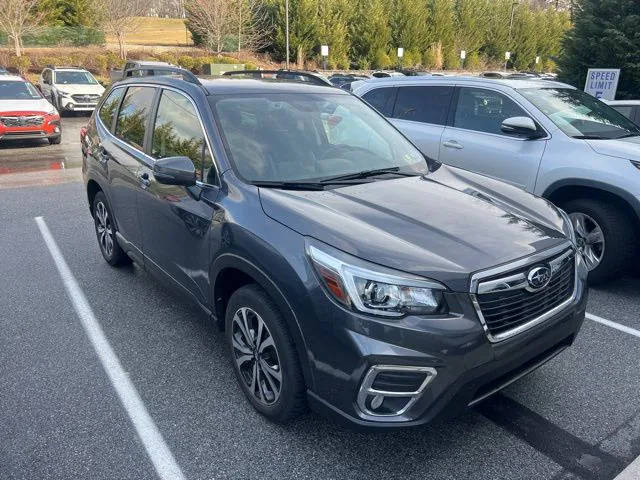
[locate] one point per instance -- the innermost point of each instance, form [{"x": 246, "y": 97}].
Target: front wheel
[
  {"x": 605, "y": 236},
  {"x": 263, "y": 355}
]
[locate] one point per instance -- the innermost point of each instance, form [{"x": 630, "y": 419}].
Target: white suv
[
  {"x": 70, "y": 89},
  {"x": 543, "y": 136}
]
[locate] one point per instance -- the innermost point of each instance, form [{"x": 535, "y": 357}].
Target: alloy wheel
[
  {"x": 256, "y": 356},
  {"x": 104, "y": 229},
  {"x": 590, "y": 238}
]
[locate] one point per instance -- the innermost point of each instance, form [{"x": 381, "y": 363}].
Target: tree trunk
[
  {"x": 239, "y": 25},
  {"x": 300, "y": 57},
  {"x": 121, "y": 46},
  {"x": 16, "y": 43}
]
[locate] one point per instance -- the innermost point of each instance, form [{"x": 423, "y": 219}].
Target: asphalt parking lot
[{"x": 578, "y": 417}]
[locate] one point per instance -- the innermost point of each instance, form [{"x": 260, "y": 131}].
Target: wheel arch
[
  {"x": 567, "y": 189},
  {"x": 230, "y": 272},
  {"x": 93, "y": 188}
]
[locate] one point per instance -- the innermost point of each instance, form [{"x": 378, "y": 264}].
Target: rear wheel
[
  {"x": 263, "y": 355},
  {"x": 106, "y": 232},
  {"x": 605, "y": 236}
]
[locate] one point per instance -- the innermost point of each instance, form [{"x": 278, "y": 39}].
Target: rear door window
[
  {"x": 423, "y": 104},
  {"x": 134, "y": 113},
  {"x": 381, "y": 99},
  {"x": 110, "y": 107},
  {"x": 484, "y": 110}
]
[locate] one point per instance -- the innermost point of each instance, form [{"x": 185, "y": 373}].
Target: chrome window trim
[
  {"x": 152, "y": 160},
  {"x": 366, "y": 389},
  {"x": 532, "y": 260}
]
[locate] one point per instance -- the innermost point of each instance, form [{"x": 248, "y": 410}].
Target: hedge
[{"x": 61, "y": 36}]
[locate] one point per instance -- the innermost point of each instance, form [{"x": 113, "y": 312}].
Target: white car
[
  {"x": 70, "y": 89},
  {"x": 543, "y": 136}
]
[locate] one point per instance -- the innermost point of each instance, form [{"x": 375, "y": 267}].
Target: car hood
[
  {"x": 627, "y": 148},
  {"x": 443, "y": 226},
  {"x": 82, "y": 89},
  {"x": 36, "y": 105}
]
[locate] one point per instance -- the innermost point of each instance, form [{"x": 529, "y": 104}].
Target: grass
[{"x": 158, "y": 31}]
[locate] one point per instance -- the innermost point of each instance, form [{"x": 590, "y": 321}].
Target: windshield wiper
[
  {"x": 590, "y": 137},
  {"x": 371, "y": 173},
  {"x": 298, "y": 185},
  {"x": 627, "y": 135}
]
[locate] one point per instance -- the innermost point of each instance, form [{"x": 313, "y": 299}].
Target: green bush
[
  {"x": 381, "y": 60},
  {"x": 474, "y": 62},
  {"x": 22, "y": 64},
  {"x": 188, "y": 62},
  {"x": 60, "y": 36},
  {"x": 451, "y": 58}
]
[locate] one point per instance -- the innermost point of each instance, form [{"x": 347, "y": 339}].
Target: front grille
[
  {"x": 85, "y": 98},
  {"x": 22, "y": 121},
  {"x": 503, "y": 311}
]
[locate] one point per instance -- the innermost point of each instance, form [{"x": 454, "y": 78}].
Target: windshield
[
  {"x": 18, "y": 91},
  {"x": 580, "y": 115},
  {"x": 310, "y": 137},
  {"x": 75, "y": 78}
]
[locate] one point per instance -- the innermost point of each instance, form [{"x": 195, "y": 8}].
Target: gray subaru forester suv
[{"x": 348, "y": 272}]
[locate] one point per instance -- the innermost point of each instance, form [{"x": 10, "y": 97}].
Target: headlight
[
  {"x": 568, "y": 226},
  {"x": 373, "y": 289}
]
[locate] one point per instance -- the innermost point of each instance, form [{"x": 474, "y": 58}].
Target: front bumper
[
  {"x": 49, "y": 128},
  {"x": 468, "y": 366},
  {"x": 70, "y": 104}
]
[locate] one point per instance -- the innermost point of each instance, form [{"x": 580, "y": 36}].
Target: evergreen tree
[{"x": 605, "y": 34}]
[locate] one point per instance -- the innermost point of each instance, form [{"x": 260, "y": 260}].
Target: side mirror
[
  {"x": 175, "y": 171},
  {"x": 523, "y": 126}
]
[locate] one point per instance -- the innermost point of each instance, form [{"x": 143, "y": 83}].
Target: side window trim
[
  {"x": 454, "y": 107},
  {"x": 153, "y": 117}
]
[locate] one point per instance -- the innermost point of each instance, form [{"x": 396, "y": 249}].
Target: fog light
[
  {"x": 390, "y": 390},
  {"x": 56, "y": 129}
]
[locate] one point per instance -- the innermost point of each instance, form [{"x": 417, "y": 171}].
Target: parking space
[{"x": 576, "y": 417}]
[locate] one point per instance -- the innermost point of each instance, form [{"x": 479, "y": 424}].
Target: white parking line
[
  {"x": 617, "y": 326},
  {"x": 163, "y": 461}
]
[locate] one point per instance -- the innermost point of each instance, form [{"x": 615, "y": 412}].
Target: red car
[{"x": 25, "y": 113}]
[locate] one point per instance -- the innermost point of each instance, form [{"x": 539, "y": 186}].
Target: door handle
[
  {"x": 144, "y": 179},
  {"x": 452, "y": 144}
]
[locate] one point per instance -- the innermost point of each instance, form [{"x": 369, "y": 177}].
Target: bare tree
[
  {"x": 212, "y": 20},
  {"x": 121, "y": 17},
  {"x": 19, "y": 18},
  {"x": 252, "y": 22}
]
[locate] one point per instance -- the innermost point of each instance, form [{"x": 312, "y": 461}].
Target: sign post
[
  {"x": 400, "y": 55},
  {"x": 324, "y": 51},
  {"x": 602, "y": 82},
  {"x": 507, "y": 56},
  {"x": 463, "y": 55}
]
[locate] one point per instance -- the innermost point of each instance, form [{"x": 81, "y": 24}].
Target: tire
[
  {"x": 55, "y": 140},
  {"x": 617, "y": 230},
  {"x": 290, "y": 401},
  {"x": 109, "y": 247}
]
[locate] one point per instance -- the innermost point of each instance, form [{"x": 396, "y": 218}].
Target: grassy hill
[{"x": 158, "y": 31}]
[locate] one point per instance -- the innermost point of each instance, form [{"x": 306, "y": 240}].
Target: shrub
[
  {"x": 188, "y": 62},
  {"x": 381, "y": 60},
  {"x": 451, "y": 58},
  {"x": 22, "y": 64},
  {"x": 474, "y": 62}
]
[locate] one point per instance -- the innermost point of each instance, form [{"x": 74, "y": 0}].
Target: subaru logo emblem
[{"x": 538, "y": 277}]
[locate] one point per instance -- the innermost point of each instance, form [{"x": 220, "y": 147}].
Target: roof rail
[
  {"x": 187, "y": 75},
  {"x": 290, "y": 75}
]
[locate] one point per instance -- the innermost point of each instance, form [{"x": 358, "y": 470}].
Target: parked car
[
  {"x": 543, "y": 136},
  {"x": 628, "y": 108},
  {"x": 139, "y": 68},
  {"x": 345, "y": 269},
  {"x": 342, "y": 79},
  {"x": 4, "y": 71},
  {"x": 70, "y": 89},
  {"x": 25, "y": 114}
]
